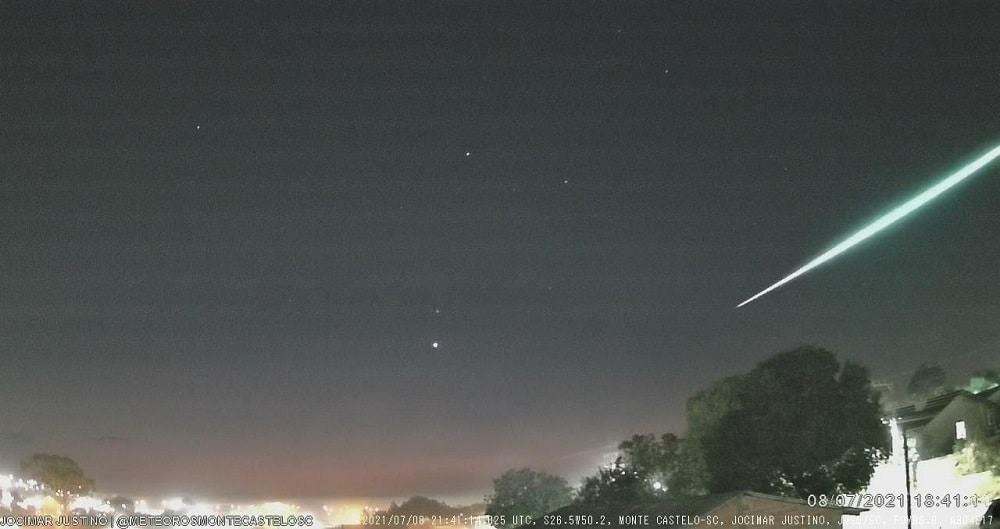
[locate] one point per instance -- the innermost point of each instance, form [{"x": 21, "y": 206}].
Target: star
[
  {"x": 435, "y": 345},
  {"x": 467, "y": 154}
]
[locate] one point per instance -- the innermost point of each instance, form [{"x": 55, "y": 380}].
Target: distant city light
[{"x": 38, "y": 499}]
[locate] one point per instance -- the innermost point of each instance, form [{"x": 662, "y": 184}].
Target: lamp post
[
  {"x": 899, "y": 424},
  {"x": 906, "y": 473}
]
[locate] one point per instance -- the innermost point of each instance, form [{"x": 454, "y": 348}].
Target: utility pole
[
  {"x": 906, "y": 472},
  {"x": 901, "y": 425}
]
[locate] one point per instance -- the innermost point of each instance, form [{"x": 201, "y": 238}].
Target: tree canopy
[
  {"x": 423, "y": 506},
  {"x": 526, "y": 492},
  {"x": 59, "y": 473},
  {"x": 614, "y": 486},
  {"x": 799, "y": 423},
  {"x": 927, "y": 381},
  {"x": 642, "y": 472}
]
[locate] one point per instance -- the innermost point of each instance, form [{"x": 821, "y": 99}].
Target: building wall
[{"x": 937, "y": 438}]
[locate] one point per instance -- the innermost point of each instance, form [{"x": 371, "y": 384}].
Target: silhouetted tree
[
  {"x": 423, "y": 506},
  {"x": 927, "y": 381},
  {"x": 641, "y": 473},
  {"x": 404, "y": 514},
  {"x": 617, "y": 485},
  {"x": 525, "y": 492},
  {"x": 799, "y": 423},
  {"x": 122, "y": 504},
  {"x": 690, "y": 473},
  {"x": 705, "y": 411},
  {"x": 651, "y": 456},
  {"x": 60, "y": 474}
]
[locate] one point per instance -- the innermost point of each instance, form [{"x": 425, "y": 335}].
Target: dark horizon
[{"x": 233, "y": 232}]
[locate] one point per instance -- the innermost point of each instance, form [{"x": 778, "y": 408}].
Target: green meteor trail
[{"x": 888, "y": 219}]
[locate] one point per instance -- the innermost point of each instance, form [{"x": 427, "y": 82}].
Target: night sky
[{"x": 232, "y": 232}]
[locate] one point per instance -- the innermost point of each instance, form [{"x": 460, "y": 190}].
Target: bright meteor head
[{"x": 888, "y": 219}]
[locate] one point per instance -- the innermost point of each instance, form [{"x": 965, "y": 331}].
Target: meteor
[{"x": 888, "y": 219}]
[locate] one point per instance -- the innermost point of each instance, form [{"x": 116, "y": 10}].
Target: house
[
  {"x": 739, "y": 509},
  {"x": 943, "y": 422},
  {"x": 933, "y": 430}
]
